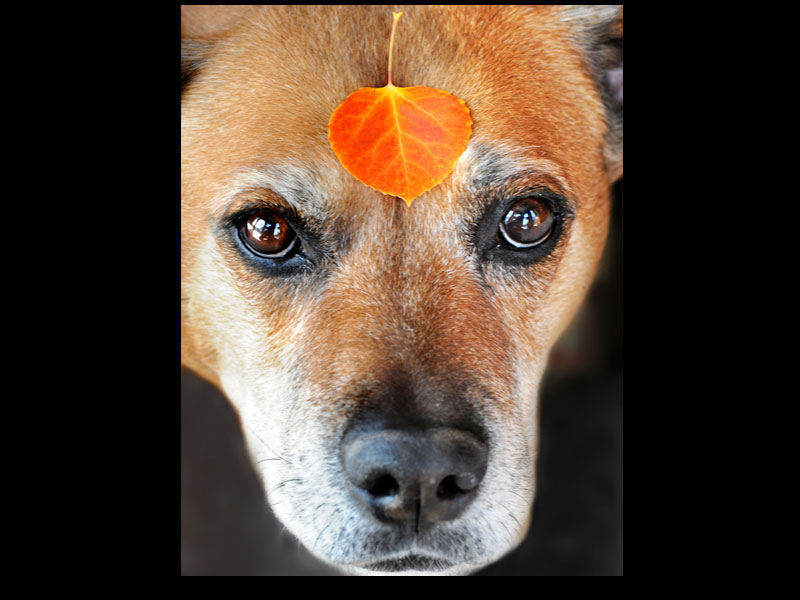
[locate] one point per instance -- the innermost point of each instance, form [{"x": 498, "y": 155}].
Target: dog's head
[{"x": 384, "y": 360}]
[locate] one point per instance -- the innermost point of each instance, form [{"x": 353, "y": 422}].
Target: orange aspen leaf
[{"x": 400, "y": 141}]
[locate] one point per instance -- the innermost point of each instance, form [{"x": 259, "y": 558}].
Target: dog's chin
[{"x": 409, "y": 564}]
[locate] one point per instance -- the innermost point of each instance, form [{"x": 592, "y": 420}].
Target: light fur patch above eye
[
  {"x": 299, "y": 187},
  {"x": 483, "y": 167}
]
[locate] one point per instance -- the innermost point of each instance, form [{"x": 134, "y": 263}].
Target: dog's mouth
[{"x": 409, "y": 562}]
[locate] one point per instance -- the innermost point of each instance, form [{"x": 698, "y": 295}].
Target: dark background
[{"x": 577, "y": 515}]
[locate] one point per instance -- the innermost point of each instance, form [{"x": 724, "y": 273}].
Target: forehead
[
  {"x": 267, "y": 92},
  {"x": 480, "y": 173}
]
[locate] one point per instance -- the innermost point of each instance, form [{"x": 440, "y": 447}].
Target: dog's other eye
[
  {"x": 527, "y": 223},
  {"x": 267, "y": 235}
]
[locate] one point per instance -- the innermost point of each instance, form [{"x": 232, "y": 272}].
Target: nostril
[
  {"x": 386, "y": 485},
  {"x": 448, "y": 489},
  {"x": 414, "y": 476}
]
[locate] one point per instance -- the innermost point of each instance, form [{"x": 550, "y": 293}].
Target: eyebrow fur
[
  {"x": 484, "y": 169},
  {"x": 300, "y": 188}
]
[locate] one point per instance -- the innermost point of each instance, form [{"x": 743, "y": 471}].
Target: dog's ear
[
  {"x": 201, "y": 25},
  {"x": 597, "y": 29}
]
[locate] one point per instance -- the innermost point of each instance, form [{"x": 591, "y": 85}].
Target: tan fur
[{"x": 402, "y": 291}]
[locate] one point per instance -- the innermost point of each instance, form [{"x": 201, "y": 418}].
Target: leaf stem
[{"x": 397, "y": 16}]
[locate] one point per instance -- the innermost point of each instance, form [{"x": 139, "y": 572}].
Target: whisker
[
  {"x": 279, "y": 457},
  {"x": 319, "y": 536},
  {"x": 518, "y": 495},
  {"x": 510, "y": 514},
  {"x": 283, "y": 483},
  {"x": 508, "y": 531}
]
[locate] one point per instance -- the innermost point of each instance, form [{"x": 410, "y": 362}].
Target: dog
[{"x": 384, "y": 360}]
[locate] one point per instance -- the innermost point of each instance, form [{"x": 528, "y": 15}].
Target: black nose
[{"x": 417, "y": 477}]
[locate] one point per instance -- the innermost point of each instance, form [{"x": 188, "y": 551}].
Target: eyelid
[
  {"x": 557, "y": 200},
  {"x": 498, "y": 205},
  {"x": 560, "y": 204},
  {"x": 303, "y": 227},
  {"x": 310, "y": 236},
  {"x": 488, "y": 241},
  {"x": 238, "y": 216}
]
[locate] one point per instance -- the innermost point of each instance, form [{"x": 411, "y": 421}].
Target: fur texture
[{"x": 395, "y": 292}]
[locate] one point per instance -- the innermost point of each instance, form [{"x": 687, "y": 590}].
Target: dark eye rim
[
  {"x": 242, "y": 232},
  {"x": 491, "y": 244},
  {"x": 304, "y": 256}
]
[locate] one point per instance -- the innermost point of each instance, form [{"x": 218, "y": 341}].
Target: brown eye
[
  {"x": 268, "y": 235},
  {"x": 527, "y": 223}
]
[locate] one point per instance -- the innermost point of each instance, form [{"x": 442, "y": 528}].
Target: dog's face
[{"x": 384, "y": 360}]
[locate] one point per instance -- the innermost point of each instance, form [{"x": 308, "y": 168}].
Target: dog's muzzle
[
  {"x": 414, "y": 478},
  {"x": 412, "y": 464}
]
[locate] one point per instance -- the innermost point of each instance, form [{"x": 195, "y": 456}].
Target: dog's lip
[{"x": 409, "y": 562}]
